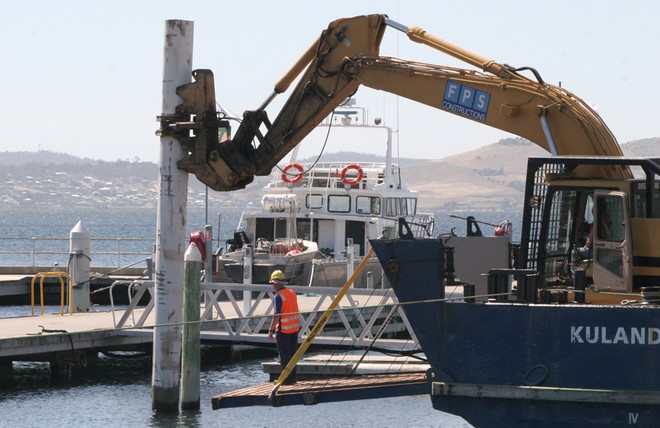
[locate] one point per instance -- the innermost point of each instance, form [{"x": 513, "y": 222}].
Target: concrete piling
[{"x": 171, "y": 226}]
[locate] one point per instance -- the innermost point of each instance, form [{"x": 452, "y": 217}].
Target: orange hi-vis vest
[{"x": 289, "y": 318}]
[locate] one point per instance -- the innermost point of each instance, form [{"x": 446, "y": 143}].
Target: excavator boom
[
  {"x": 549, "y": 116},
  {"x": 345, "y": 56}
]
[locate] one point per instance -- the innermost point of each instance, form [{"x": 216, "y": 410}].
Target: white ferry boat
[{"x": 316, "y": 219}]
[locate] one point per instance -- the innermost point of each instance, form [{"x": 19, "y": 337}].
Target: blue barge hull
[{"x": 525, "y": 364}]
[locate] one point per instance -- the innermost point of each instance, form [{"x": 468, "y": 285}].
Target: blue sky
[{"x": 84, "y": 77}]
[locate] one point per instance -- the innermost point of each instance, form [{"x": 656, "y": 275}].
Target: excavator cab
[
  {"x": 588, "y": 229},
  {"x": 617, "y": 221}
]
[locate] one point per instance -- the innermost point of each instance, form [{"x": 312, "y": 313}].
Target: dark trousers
[{"x": 287, "y": 344}]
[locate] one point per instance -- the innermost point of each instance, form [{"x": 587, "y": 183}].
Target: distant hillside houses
[{"x": 491, "y": 178}]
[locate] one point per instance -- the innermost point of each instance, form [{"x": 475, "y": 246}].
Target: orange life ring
[
  {"x": 351, "y": 181},
  {"x": 286, "y": 177}
]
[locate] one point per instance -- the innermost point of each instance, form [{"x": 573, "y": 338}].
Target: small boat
[
  {"x": 289, "y": 255},
  {"x": 316, "y": 219}
]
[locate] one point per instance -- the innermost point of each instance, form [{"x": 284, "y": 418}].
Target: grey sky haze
[{"x": 84, "y": 77}]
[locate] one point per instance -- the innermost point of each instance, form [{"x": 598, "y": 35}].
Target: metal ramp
[
  {"x": 241, "y": 313},
  {"x": 309, "y": 392}
]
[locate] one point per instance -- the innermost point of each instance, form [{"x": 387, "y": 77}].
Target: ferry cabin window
[
  {"x": 270, "y": 229},
  {"x": 314, "y": 201},
  {"x": 320, "y": 182},
  {"x": 280, "y": 228},
  {"x": 303, "y": 229},
  {"x": 367, "y": 205},
  {"x": 408, "y": 206},
  {"x": 339, "y": 203},
  {"x": 395, "y": 207},
  {"x": 392, "y": 207}
]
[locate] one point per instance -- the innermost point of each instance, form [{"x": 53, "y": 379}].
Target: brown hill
[
  {"x": 489, "y": 178},
  {"x": 649, "y": 147}
]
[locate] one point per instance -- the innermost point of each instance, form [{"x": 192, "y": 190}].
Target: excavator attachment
[
  {"x": 232, "y": 164},
  {"x": 203, "y": 145}
]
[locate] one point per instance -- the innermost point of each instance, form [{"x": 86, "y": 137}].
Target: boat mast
[{"x": 389, "y": 180}]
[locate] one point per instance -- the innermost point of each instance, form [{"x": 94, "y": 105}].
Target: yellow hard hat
[{"x": 277, "y": 275}]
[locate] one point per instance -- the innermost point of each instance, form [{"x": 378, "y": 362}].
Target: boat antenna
[{"x": 398, "y": 146}]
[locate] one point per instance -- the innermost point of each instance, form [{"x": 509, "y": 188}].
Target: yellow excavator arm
[
  {"x": 345, "y": 56},
  {"x": 549, "y": 116}
]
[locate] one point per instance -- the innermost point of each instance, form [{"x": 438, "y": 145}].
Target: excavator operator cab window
[
  {"x": 610, "y": 229},
  {"x": 559, "y": 233},
  {"x": 639, "y": 200},
  {"x": 568, "y": 227},
  {"x": 584, "y": 229},
  {"x": 589, "y": 209}
]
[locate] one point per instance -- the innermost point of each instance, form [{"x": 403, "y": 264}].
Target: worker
[
  {"x": 285, "y": 323},
  {"x": 586, "y": 252},
  {"x": 603, "y": 226}
]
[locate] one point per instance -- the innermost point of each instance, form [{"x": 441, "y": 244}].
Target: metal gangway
[{"x": 364, "y": 318}]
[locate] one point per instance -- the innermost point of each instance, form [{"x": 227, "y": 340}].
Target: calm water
[
  {"x": 112, "y": 223},
  {"x": 118, "y": 392},
  {"x": 108, "y": 224},
  {"x": 119, "y": 395}
]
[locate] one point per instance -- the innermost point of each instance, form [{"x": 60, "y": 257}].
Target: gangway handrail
[
  {"x": 59, "y": 275},
  {"x": 133, "y": 301},
  {"x": 386, "y": 297},
  {"x": 228, "y": 320}
]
